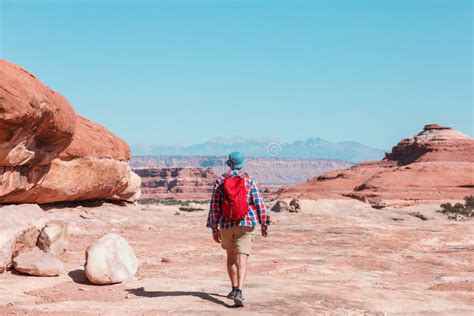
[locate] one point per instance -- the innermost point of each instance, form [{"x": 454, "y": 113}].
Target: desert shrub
[
  {"x": 146, "y": 201},
  {"x": 463, "y": 210},
  {"x": 469, "y": 201}
]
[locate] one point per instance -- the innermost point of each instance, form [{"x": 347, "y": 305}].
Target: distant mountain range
[{"x": 311, "y": 148}]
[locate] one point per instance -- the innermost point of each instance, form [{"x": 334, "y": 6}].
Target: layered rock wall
[{"x": 182, "y": 183}]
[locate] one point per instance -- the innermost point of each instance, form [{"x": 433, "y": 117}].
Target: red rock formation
[
  {"x": 436, "y": 164},
  {"x": 173, "y": 183},
  {"x": 91, "y": 140},
  {"x": 36, "y": 123},
  {"x": 434, "y": 143},
  {"x": 50, "y": 154}
]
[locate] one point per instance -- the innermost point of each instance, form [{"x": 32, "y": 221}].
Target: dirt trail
[{"x": 337, "y": 257}]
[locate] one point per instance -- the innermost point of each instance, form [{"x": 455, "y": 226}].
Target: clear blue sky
[{"x": 182, "y": 72}]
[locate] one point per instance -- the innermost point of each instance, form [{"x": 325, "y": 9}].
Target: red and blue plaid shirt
[{"x": 258, "y": 209}]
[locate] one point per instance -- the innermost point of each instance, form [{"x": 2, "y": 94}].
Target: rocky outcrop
[
  {"x": 132, "y": 192},
  {"x": 110, "y": 260},
  {"x": 435, "y": 143},
  {"x": 436, "y": 164},
  {"x": 50, "y": 154},
  {"x": 20, "y": 226},
  {"x": 183, "y": 183}
]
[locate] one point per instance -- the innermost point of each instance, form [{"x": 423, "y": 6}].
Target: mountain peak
[{"x": 240, "y": 140}]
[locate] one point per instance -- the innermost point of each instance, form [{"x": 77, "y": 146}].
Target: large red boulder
[
  {"x": 48, "y": 153},
  {"x": 436, "y": 164}
]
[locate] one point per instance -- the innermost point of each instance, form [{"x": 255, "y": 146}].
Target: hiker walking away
[{"x": 236, "y": 206}]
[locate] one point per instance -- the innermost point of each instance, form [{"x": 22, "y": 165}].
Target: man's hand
[
  {"x": 264, "y": 230},
  {"x": 217, "y": 236}
]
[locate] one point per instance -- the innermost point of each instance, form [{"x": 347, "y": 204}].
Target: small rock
[
  {"x": 128, "y": 296},
  {"x": 165, "y": 260},
  {"x": 379, "y": 205},
  {"x": 280, "y": 206},
  {"x": 192, "y": 207},
  {"x": 110, "y": 260},
  {"x": 54, "y": 237},
  {"x": 39, "y": 263},
  {"x": 419, "y": 215}
]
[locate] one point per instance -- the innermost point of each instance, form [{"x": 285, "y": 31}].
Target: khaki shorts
[{"x": 238, "y": 239}]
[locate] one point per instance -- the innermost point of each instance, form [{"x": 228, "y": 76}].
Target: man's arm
[
  {"x": 214, "y": 209},
  {"x": 263, "y": 214}
]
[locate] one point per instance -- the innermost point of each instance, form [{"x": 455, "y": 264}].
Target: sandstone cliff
[
  {"x": 173, "y": 183},
  {"x": 48, "y": 153}
]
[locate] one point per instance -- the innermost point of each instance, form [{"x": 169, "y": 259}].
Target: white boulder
[{"x": 110, "y": 260}]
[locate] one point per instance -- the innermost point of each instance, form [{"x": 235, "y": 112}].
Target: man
[{"x": 236, "y": 206}]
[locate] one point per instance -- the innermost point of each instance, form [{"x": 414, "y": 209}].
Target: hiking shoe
[
  {"x": 239, "y": 299},
  {"x": 231, "y": 294}
]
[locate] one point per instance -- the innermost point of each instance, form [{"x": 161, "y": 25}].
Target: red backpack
[{"x": 234, "y": 203}]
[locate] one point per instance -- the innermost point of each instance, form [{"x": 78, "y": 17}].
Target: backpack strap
[{"x": 242, "y": 175}]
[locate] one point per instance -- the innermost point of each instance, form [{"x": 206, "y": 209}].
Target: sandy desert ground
[{"x": 338, "y": 257}]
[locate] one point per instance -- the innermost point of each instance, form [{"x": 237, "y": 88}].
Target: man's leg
[
  {"x": 232, "y": 268},
  {"x": 243, "y": 244},
  {"x": 241, "y": 272},
  {"x": 241, "y": 269}
]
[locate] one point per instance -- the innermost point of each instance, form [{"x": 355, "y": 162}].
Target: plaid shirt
[{"x": 257, "y": 207}]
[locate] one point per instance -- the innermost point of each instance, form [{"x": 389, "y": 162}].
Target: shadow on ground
[
  {"x": 79, "y": 276},
  {"x": 202, "y": 295},
  {"x": 86, "y": 204}
]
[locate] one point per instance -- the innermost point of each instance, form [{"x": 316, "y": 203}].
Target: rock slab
[{"x": 38, "y": 263}]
